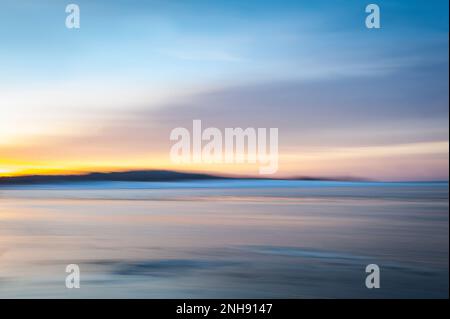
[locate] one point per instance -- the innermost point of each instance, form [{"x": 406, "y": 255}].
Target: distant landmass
[
  {"x": 136, "y": 176},
  {"x": 128, "y": 176}
]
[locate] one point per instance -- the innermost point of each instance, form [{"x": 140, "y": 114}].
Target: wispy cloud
[{"x": 201, "y": 55}]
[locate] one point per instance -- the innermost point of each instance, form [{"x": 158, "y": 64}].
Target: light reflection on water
[{"x": 237, "y": 239}]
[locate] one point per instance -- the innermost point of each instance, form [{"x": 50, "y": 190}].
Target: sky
[{"x": 348, "y": 101}]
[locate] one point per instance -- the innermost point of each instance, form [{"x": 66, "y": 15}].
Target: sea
[{"x": 224, "y": 239}]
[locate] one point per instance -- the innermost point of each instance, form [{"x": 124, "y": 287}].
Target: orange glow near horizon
[{"x": 395, "y": 162}]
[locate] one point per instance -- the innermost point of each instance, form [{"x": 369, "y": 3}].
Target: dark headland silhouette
[
  {"x": 128, "y": 176},
  {"x": 138, "y": 176}
]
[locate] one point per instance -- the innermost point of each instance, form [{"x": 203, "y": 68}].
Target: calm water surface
[{"x": 236, "y": 239}]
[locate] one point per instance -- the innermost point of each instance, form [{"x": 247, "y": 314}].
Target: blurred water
[{"x": 236, "y": 239}]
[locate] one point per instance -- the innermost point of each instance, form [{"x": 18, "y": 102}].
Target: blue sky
[
  {"x": 158, "y": 41},
  {"x": 310, "y": 67}
]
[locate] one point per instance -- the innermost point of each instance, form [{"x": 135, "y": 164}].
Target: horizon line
[{"x": 185, "y": 175}]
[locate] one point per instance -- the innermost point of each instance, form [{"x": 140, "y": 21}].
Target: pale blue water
[{"x": 225, "y": 239}]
